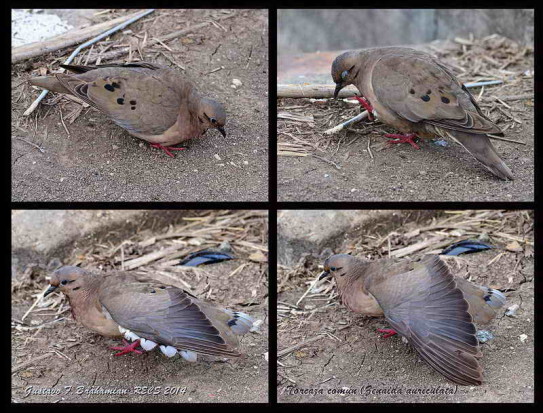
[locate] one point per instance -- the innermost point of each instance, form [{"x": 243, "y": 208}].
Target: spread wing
[
  {"x": 168, "y": 315},
  {"x": 425, "y": 306}
]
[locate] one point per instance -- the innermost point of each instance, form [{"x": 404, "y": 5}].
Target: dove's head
[
  {"x": 339, "y": 266},
  {"x": 345, "y": 70},
  {"x": 67, "y": 279},
  {"x": 212, "y": 115}
]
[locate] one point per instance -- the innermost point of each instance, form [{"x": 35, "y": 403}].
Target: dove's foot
[
  {"x": 398, "y": 138},
  {"x": 389, "y": 332},
  {"x": 128, "y": 348},
  {"x": 366, "y": 105},
  {"x": 166, "y": 149}
]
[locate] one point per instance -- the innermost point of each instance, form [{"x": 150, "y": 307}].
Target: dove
[
  {"x": 415, "y": 93},
  {"x": 149, "y": 313},
  {"x": 423, "y": 302},
  {"x": 150, "y": 101}
]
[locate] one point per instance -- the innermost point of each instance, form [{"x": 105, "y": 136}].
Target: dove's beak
[
  {"x": 50, "y": 290},
  {"x": 324, "y": 275},
  {"x": 339, "y": 86},
  {"x": 222, "y": 131}
]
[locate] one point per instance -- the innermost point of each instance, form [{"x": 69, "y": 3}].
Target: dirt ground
[
  {"x": 356, "y": 165},
  {"x": 81, "y": 367},
  {"x": 346, "y": 359},
  {"x": 98, "y": 161}
]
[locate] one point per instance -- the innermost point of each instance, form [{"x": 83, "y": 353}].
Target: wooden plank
[
  {"x": 313, "y": 91},
  {"x": 64, "y": 40}
]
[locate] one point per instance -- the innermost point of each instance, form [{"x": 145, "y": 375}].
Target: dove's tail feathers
[
  {"x": 484, "y": 302},
  {"x": 240, "y": 323},
  {"x": 483, "y": 150},
  {"x": 494, "y": 298},
  {"x": 50, "y": 83}
]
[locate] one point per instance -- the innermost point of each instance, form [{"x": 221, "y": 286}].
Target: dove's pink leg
[
  {"x": 366, "y": 105},
  {"x": 389, "y": 332},
  {"x": 402, "y": 139},
  {"x": 128, "y": 348},
  {"x": 166, "y": 149}
]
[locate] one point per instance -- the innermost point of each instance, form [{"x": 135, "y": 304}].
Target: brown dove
[
  {"x": 422, "y": 301},
  {"x": 416, "y": 94},
  {"x": 152, "y": 102},
  {"x": 149, "y": 313}
]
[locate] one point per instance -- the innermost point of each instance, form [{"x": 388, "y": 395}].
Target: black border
[{"x": 273, "y": 205}]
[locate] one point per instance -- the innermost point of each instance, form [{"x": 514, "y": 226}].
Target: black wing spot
[
  {"x": 133, "y": 108},
  {"x": 107, "y": 86},
  {"x": 444, "y": 99},
  {"x": 425, "y": 98},
  {"x": 412, "y": 91},
  {"x": 428, "y": 92},
  {"x": 116, "y": 85},
  {"x": 120, "y": 101},
  {"x": 133, "y": 102},
  {"x": 232, "y": 323},
  {"x": 153, "y": 291}
]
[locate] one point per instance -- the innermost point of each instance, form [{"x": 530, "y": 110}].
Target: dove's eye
[
  {"x": 333, "y": 268},
  {"x": 344, "y": 74},
  {"x": 64, "y": 282},
  {"x": 212, "y": 120}
]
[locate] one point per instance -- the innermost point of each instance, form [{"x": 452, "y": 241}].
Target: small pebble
[
  {"x": 483, "y": 336},
  {"x": 512, "y": 310}
]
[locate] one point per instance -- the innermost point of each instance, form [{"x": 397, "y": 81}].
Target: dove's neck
[
  {"x": 87, "y": 309},
  {"x": 354, "y": 295},
  {"x": 188, "y": 124},
  {"x": 86, "y": 296}
]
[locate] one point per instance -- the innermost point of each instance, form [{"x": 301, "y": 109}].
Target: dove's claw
[
  {"x": 388, "y": 332},
  {"x": 398, "y": 138},
  {"x": 128, "y": 348},
  {"x": 366, "y": 105},
  {"x": 166, "y": 149}
]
